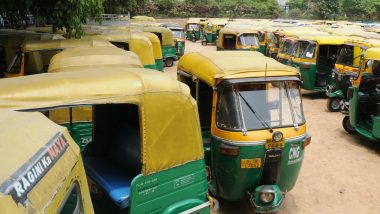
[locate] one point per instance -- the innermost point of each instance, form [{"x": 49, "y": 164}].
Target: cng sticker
[{"x": 294, "y": 154}]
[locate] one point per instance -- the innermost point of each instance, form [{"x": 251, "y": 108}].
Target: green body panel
[
  {"x": 353, "y": 107},
  {"x": 274, "y": 206},
  {"x": 170, "y": 191},
  {"x": 309, "y": 77},
  {"x": 151, "y": 67},
  {"x": 263, "y": 49},
  {"x": 376, "y": 127},
  {"x": 334, "y": 94},
  {"x": 180, "y": 48},
  {"x": 232, "y": 182},
  {"x": 168, "y": 52},
  {"x": 81, "y": 132},
  {"x": 210, "y": 38},
  {"x": 193, "y": 34},
  {"x": 367, "y": 127},
  {"x": 160, "y": 64}
]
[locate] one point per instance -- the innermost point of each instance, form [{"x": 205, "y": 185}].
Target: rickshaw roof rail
[
  {"x": 214, "y": 65},
  {"x": 72, "y": 58},
  {"x": 365, "y": 42}
]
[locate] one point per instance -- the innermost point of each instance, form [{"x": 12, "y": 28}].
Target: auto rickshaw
[
  {"x": 179, "y": 36},
  {"x": 74, "y": 59},
  {"x": 346, "y": 67},
  {"x": 212, "y": 31},
  {"x": 193, "y": 29},
  {"x": 137, "y": 43},
  {"x": 139, "y": 119},
  {"x": 238, "y": 37},
  {"x": 315, "y": 57},
  {"x": 167, "y": 43},
  {"x": 288, "y": 41},
  {"x": 34, "y": 56},
  {"x": 278, "y": 35},
  {"x": 11, "y": 41},
  {"x": 41, "y": 167},
  {"x": 252, "y": 122},
  {"x": 156, "y": 43},
  {"x": 364, "y": 98}
]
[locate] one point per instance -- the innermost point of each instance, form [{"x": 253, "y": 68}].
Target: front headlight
[
  {"x": 277, "y": 136},
  {"x": 266, "y": 196}
]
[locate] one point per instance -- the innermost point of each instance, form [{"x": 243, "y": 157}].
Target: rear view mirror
[{"x": 350, "y": 93}]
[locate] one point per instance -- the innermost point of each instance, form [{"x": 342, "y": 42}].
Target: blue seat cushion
[{"x": 111, "y": 178}]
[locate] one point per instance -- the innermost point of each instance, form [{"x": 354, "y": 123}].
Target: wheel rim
[{"x": 335, "y": 104}]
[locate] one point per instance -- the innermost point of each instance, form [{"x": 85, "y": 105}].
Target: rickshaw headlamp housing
[
  {"x": 266, "y": 196},
  {"x": 277, "y": 136}
]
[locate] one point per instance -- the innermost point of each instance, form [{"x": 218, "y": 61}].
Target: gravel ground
[{"x": 340, "y": 172}]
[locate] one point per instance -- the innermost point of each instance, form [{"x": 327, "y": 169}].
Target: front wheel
[
  {"x": 169, "y": 62},
  {"x": 347, "y": 125},
  {"x": 333, "y": 104},
  {"x": 204, "y": 43}
]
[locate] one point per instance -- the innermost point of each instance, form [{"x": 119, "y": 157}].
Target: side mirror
[{"x": 350, "y": 93}]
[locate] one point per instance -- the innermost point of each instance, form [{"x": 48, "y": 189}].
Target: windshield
[
  {"x": 178, "y": 34},
  {"x": 346, "y": 55},
  {"x": 192, "y": 27},
  {"x": 304, "y": 49},
  {"x": 275, "y": 40},
  {"x": 248, "y": 39},
  {"x": 286, "y": 46},
  {"x": 277, "y": 104}
]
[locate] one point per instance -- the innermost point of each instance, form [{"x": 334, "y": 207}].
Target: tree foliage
[{"x": 69, "y": 14}]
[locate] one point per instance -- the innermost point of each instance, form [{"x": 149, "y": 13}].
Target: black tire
[
  {"x": 347, "y": 125},
  {"x": 333, "y": 104},
  {"x": 204, "y": 43},
  {"x": 194, "y": 40},
  {"x": 169, "y": 62}
]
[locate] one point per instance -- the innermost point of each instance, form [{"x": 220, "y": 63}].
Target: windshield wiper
[
  {"x": 257, "y": 115},
  {"x": 296, "y": 127}
]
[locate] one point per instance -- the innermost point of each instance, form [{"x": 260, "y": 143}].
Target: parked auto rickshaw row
[{"x": 128, "y": 122}]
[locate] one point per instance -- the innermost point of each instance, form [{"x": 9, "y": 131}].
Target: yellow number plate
[
  {"x": 250, "y": 163},
  {"x": 271, "y": 145}
]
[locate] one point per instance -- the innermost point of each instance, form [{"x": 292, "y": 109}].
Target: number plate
[
  {"x": 250, "y": 163},
  {"x": 272, "y": 145}
]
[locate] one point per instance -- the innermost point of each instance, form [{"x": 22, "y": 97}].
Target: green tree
[
  {"x": 327, "y": 9},
  {"x": 69, "y": 14},
  {"x": 360, "y": 8}
]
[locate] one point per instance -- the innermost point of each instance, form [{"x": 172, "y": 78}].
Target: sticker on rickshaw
[
  {"x": 294, "y": 154},
  {"x": 250, "y": 163},
  {"x": 273, "y": 145},
  {"x": 28, "y": 175}
]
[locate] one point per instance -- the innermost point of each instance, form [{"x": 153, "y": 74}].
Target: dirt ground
[{"x": 340, "y": 172}]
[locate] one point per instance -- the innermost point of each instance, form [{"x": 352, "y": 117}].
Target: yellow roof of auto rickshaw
[
  {"x": 26, "y": 138},
  {"x": 236, "y": 29},
  {"x": 143, "y": 19},
  {"x": 213, "y": 65},
  {"x": 167, "y": 35},
  {"x": 62, "y": 44},
  {"x": 326, "y": 39},
  {"x": 168, "y": 116},
  {"x": 372, "y": 53},
  {"x": 73, "y": 58},
  {"x": 138, "y": 43},
  {"x": 193, "y": 21}
]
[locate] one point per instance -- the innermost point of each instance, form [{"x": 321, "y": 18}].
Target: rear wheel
[
  {"x": 347, "y": 125},
  {"x": 333, "y": 104},
  {"x": 169, "y": 62}
]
